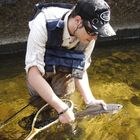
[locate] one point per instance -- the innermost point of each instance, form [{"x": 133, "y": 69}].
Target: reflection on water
[{"x": 114, "y": 76}]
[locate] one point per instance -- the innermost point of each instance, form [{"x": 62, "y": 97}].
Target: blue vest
[{"x": 58, "y": 58}]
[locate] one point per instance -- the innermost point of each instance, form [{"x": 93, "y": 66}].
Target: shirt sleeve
[{"x": 36, "y": 43}]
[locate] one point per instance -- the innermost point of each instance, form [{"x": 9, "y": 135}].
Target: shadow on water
[
  {"x": 11, "y": 65},
  {"x": 114, "y": 77}
]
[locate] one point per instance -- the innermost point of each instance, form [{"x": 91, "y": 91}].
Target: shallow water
[{"x": 114, "y": 77}]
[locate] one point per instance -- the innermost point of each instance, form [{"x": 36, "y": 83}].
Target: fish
[{"x": 94, "y": 110}]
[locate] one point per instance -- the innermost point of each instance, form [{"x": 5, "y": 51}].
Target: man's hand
[
  {"x": 97, "y": 102},
  {"x": 67, "y": 117}
]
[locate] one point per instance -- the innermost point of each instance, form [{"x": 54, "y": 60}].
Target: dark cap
[{"x": 97, "y": 13}]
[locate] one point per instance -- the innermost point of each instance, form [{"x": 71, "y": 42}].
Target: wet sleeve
[{"x": 36, "y": 44}]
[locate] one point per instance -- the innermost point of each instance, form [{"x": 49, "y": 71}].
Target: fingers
[
  {"x": 99, "y": 102},
  {"x": 103, "y": 104},
  {"x": 67, "y": 117}
]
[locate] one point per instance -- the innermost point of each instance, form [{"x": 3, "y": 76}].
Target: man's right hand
[{"x": 67, "y": 117}]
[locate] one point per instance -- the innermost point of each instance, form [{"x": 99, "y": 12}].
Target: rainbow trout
[{"x": 94, "y": 110}]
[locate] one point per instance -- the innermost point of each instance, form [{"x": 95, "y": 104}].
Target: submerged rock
[
  {"x": 136, "y": 84},
  {"x": 123, "y": 57},
  {"x": 135, "y": 100}
]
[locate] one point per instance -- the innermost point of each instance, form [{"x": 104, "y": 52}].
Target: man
[{"x": 59, "y": 47}]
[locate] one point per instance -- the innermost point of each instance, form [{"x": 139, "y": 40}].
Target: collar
[
  {"x": 68, "y": 40},
  {"x": 66, "y": 34}
]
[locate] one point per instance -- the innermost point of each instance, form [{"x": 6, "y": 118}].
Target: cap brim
[{"x": 106, "y": 31}]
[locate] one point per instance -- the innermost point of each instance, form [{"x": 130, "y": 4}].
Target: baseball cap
[{"x": 96, "y": 13}]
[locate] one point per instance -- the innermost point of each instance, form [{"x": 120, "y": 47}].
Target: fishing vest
[{"x": 58, "y": 58}]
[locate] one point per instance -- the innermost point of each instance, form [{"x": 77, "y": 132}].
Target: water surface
[{"x": 114, "y": 77}]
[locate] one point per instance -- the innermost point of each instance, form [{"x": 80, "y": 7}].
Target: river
[{"x": 114, "y": 77}]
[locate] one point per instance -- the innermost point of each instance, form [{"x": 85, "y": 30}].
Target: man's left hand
[{"x": 97, "y": 102}]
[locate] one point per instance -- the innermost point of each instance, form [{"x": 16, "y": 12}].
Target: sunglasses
[{"x": 91, "y": 31}]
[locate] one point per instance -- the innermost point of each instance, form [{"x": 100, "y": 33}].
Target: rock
[
  {"x": 135, "y": 100},
  {"x": 136, "y": 84}
]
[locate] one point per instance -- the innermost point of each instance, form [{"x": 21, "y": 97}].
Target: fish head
[{"x": 114, "y": 108}]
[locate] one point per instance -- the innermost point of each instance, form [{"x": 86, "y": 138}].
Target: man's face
[
  {"x": 83, "y": 33},
  {"x": 84, "y": 36}
]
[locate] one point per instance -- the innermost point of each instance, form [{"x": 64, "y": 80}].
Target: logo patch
[{"x": 105, "y": 16}]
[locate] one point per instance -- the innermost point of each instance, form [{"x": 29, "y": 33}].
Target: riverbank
[
  {"x": 14, "y": 17},
  {"x": 14, "y": 45}
]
